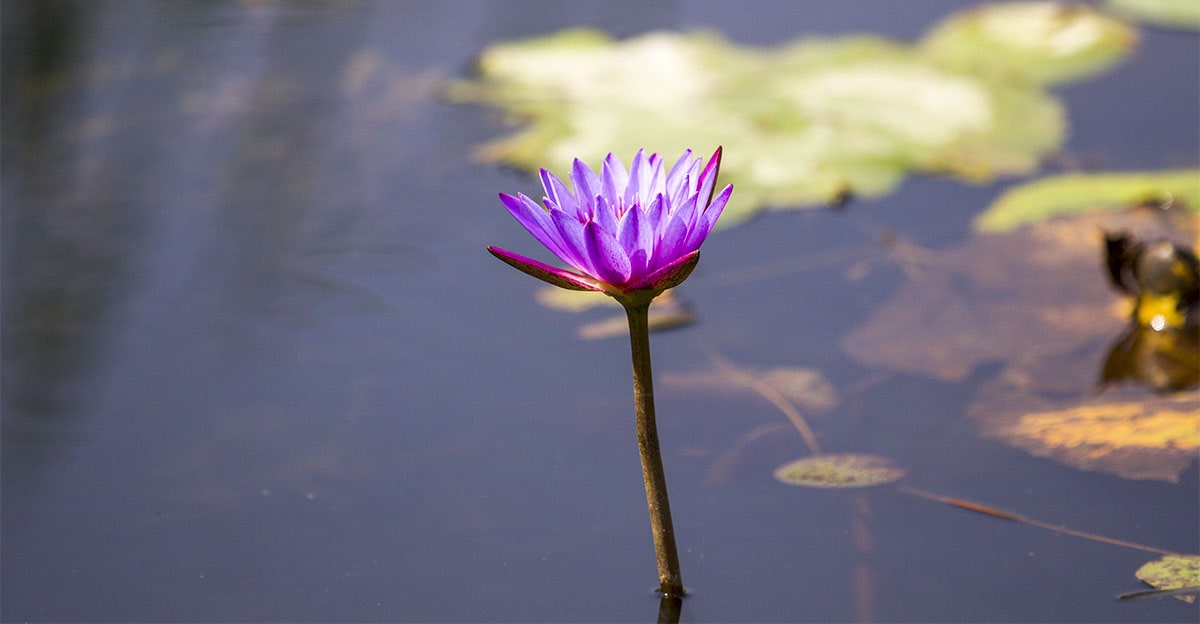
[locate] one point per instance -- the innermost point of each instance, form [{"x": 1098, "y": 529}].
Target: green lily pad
[
  {"x": 1076, "y": 193},
  {"x": 846, "y": 470},
  {"x": 1172, "y": 572},
  {"x": 803, "y": 124},
  {"x": 1039, "y": 41},
  {"x": 1183, "y": 14}
]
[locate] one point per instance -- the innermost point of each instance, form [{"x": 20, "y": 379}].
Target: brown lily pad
[
  {"x": 1132, "y": 433},
  {"x": 1019, "y": 298}
]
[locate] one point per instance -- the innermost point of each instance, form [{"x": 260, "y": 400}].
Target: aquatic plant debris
[
  {"x": 840, "y": 470},
  {"x": 806, "y": 123},
  {"x": 1084, "y": 192},
  {"x": 1172, "y": 572}
]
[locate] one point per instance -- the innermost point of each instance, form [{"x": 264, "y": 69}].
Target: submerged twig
[
  {"x": 1058, "y": 528},
  {"x": 775, "y": 397}
]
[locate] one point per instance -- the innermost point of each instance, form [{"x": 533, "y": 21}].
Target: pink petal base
[{"x": 641, "y": 291}]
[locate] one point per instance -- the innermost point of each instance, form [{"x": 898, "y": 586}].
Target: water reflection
[
  {"x": 256, "y": 366},
  {"x": 1161, "y": 346}
]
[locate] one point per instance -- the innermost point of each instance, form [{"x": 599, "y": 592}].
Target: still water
[{"x": 257, "y": 365}]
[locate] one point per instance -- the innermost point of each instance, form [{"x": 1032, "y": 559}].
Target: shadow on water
[{"x": 257, "y": 365}]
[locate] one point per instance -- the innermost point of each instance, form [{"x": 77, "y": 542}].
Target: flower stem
[{"x": 670, "y": 581}]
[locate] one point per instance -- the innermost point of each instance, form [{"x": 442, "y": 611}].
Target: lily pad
[
  {"x": 1075, "y": 193},
  {"x": 1172, "y": 572},
  {"x": 1132, "y": 434},
  {"x": 802, "y": 124},
  {"x": 1043, "y": 42},
  {"x": 1183, "y": 14},
  {"x": 845, "y": 470},
  {"x": 1021, "y": 298}
]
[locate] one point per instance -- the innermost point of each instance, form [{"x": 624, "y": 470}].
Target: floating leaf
[
  {"x": 845, "y": 470},
  {"x": 1172, "y": 572},
  {"x": 1022, "y": 298},
  {"x": 1039, "y": 41},
  {"x": 803, "y": 124},
  {"x": 1075, "y": 193},
  {"x": 1134, "y": 435},
  {"x": 1166, "y": 13}
]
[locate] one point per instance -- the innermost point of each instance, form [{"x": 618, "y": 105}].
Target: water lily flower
[{"x": 629, "y": 233}]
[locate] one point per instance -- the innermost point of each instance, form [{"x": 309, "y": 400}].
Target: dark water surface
[{"x": 257, "y": 365}]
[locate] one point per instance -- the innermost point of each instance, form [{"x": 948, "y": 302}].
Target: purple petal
[
  {"x": 535, "y": 220},
  {"x": 673, "y": 235},
  {"x": 686, "y": 167},
  {"x": 679, "y": 196},
  {"x": 634, "y": 236},
  {"x": 552, "y": 275},
  {"x": 586, "y": 184},
  {"x": 570, "y": 230},
  {"x": 680, "y": 169},
  {"x": 610, "y": 262},
  {"x": 557, "y": 192},
  {"x": 707, "y": 220},
  {"x": 654, "y": 215},
  {"x": 669, "y": 276},
  {"x": 708, "y": 179},
  {"x": 640, "y": 175},
  {"x": 613, "y": 178},
  {"x": 605, "y": 215}
]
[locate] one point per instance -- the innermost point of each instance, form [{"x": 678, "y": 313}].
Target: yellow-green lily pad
[
  {"x": 1172, "y": 572},
  {"x": 1082, "y": 192},
  {"x": 1039, "y": 41},
  {"x": 1182, "y": 14},
  {"x": 803, "y": 124},
  {"x": 845, "y": 470}
]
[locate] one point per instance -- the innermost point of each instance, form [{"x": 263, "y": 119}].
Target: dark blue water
[{"x": 257, "y": 365}]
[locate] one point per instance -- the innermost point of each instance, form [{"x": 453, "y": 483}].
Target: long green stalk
[{"x": 670, "y": 581}]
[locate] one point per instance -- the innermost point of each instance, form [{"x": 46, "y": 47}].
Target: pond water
[{"x": 257, "y": 365}]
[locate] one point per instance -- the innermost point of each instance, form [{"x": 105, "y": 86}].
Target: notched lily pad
[
  {"x": 802, "y": 124},
  {"x": 1172, "y": 572},
  {"x": 1084, "y": 192},
  {"x": 844, "y": 470},
  {"x": 1039, "y": 41}
]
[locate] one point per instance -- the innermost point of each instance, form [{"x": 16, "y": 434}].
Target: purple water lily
[{"x": 628, "y": 233}]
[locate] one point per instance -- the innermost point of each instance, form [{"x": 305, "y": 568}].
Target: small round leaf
[{"x": 843, "y": 470}]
